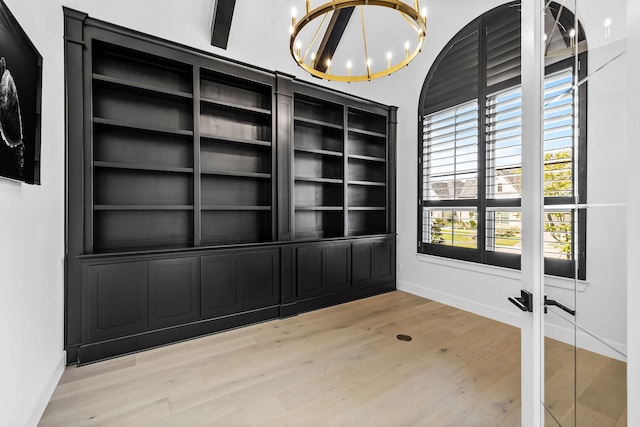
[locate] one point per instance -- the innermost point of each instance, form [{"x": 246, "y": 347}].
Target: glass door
[{"x": 583, "y": 238}]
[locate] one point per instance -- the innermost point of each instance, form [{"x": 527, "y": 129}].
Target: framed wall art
[{"x": 20, "y": 102}]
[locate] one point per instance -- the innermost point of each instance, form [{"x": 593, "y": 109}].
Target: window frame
[{"x": 483, "y": 204}]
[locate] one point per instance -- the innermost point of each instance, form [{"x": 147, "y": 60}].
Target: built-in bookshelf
[
  {"x": 236, "y": 135},
  {"x": 205, "y": 194},
  {"x": 146, "y": 191},
  {"x": 367, "y": 179},
  {"x": 339, "y": 168},
  {"x": 318, "y": 168},
  {"x": 142, "y": 150}
]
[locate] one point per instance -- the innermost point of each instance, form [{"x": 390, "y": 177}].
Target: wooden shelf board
[
  {"x": 319, "y": 180},
  {"x": 318, "y": 151},
  {"x": 232, "y": 140},
  {"x": 141, "y": 86},
  {"x": 258, "y": 175},
  {"x": 315, "y": 122},
  {"x": 367, "y": 208},
  {"x": 367, "y": 132},
  {"x": 140, "y": 167},
  {"x": 143, "y": 207},
  {"x": 233, "y": 106},
  {"x": 319, "y": 208},
  {"x": 231, "y": 239},
  {"x": 368, "y": 183},
  {"x": 367, "y": 158},
  {"x": 147, "y": 128},
  {"x": 236, "y": 208}
]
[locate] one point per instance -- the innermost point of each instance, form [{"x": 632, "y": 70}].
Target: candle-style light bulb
[
  {"x": 313, "y": 59},
  {"x": 349, "y": 64},
  {"x": 298, "y": 47},
  {"x": 607, "y": 28},
  {"x": 389, "y": 56},
  {"x": 423, "y": 13},
  {"x": 294, "y": 13},
  {"x": 406, "y": 48},
  {"x": 329, "y": 66},
  {"x": 572, "y": 34}
]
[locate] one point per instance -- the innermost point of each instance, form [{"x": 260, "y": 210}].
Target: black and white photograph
[{"x": 20, "y": 82}]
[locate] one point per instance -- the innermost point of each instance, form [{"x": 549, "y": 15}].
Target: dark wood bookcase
[
  {"x": 368, "y": 173},
  {"x": 205, "y": 194},
  {"x": 142, "y": 157},
  {"x": 236, "y": 161},
  {"x": 318, "y": 168}
]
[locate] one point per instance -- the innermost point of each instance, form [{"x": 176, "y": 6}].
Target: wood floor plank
[{"x": 340, "y": 366}]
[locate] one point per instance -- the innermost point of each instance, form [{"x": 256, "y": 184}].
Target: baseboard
[
  {"x": 566, "y": 335},
  {"x": 463, "y": 304},
  {"x": 43, "y": 400},
  {"x": 586, "y": 341}
]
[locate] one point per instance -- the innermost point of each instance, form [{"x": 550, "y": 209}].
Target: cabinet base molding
[
  {"x": 94, "y": 352},
  {"x": 302, "y": 306}
]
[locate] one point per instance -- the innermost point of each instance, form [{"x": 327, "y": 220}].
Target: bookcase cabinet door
[
  {"x": 338, "y": 267},
  {"x": 173, "y": 291},
  {"x": 384, "y": 256},
  {"x": 220, "y": 285},
  {"x": 117, "y": 299},
  {"x": 239, "y": 281},
  {"x": 362, "y": 261},
  {"x": 310, "y": 271},
  {"x": 373, "y": 262},
  {"x": 260, "y": 279},
  {"x": 323, "y": 269}
]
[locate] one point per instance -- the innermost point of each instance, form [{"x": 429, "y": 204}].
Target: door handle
[
  {"x": 524, "y": 302},
  {"x": 557, "y": 304}
]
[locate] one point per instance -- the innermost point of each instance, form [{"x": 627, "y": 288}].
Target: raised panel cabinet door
[
  {"x": 173, "y": 291},
  {"x": 310, "y": 271},
  {"x": 117, "y": 299},
  {"x": 362, "y": 264},
  {"x": 220, "y": 291},
  {"x": 260, "y": 279},
  {"x": 338, "y": 267},
  {"x": 384, "y": 260}
]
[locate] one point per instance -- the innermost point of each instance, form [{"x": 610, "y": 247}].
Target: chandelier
[{"x": 329, "y": 70}]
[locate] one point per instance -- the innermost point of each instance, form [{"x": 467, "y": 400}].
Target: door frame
[{"x": 532, "y": 269}]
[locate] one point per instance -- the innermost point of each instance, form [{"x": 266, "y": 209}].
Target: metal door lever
[
  {"x": 557, "y": 304},
  {"x": 524, "y": 302}
]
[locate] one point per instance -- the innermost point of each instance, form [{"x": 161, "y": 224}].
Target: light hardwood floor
[{"x": 340, "y": 366}]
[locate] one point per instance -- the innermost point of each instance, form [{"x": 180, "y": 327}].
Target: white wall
[{"x": 32, "y": 242}]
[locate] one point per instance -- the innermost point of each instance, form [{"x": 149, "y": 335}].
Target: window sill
[{"x": 491, "y": 270}]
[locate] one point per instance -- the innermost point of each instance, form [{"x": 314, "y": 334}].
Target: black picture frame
[{"x": 20, "y": 102}]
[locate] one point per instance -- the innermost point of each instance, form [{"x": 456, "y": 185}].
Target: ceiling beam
[
  {"x": 221, "y": 22},
  {"x": 331, "y": 39}
]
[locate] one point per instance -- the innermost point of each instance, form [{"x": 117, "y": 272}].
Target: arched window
[{"x": 470, "y": 144}]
